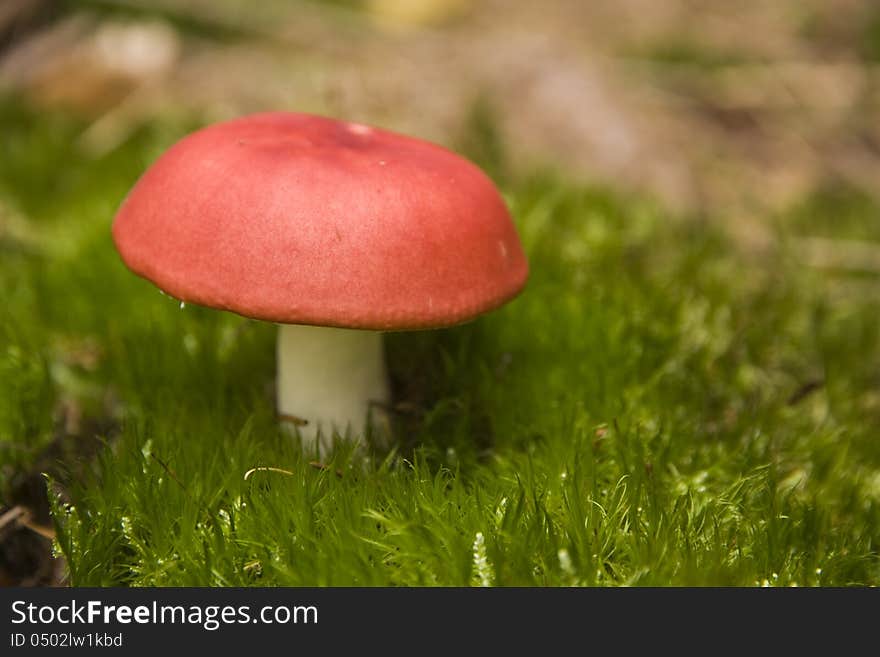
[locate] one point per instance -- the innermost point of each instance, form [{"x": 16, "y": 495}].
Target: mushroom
[{"x": 335, "y": 231}]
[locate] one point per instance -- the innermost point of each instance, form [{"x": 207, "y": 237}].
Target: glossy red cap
[{"x": 300, "y": 219}]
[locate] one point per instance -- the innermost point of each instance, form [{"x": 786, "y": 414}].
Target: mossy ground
[{"x": 657, "y": 408}]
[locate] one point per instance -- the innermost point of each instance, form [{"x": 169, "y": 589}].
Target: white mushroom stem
[{"x": 331, "y": 381}]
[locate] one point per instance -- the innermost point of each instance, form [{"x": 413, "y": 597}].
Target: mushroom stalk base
[{"x": 331, "y": 383}]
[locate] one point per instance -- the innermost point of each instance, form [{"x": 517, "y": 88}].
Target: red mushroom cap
[{"x": 300, "y": 219}]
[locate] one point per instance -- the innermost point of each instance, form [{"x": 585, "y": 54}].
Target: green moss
[{"x": 654, "y": 409}]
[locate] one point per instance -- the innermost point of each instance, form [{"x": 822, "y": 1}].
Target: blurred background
[{"x": 725, "y": 109}]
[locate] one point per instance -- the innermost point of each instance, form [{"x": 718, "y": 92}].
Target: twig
[
  {"x": 293, "y": 419},
  {"x": 266, "y": 469},
  {"x": 204, "y": 507},
  {"x": 45, "y": 532},
  {"x": 21, "y": 517},
  {"x": 169, "y": 471},
  {"x": 324, "y": 468},
  {"x": 12, "y": 515}
]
